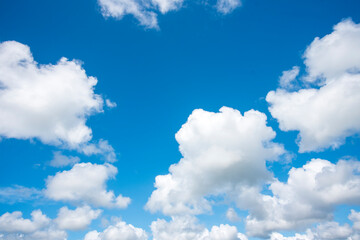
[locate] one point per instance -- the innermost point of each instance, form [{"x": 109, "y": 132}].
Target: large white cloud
[
  {"x": 85, "y": 183},
  {"x": 39, "y": 227},
  {"x": 77, "y": 219},
  {"x": 146, "y": 11},
  {"x": 47, "y": 102},
  {"x": 119, "y": 231},
  {"x": 187, "y": 228},
  {"x": 221, "y": 151},
  {"x": 327, "y": 113},
  {"x": 310, "y": 195}
]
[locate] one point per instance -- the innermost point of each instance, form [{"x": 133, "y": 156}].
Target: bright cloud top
[
  {"x": 145, "y": 11},
  {"x": 329, "y": 112},
  {"x": 47, "y": 102},
  {"x": 221, "y": 151},
  {"x": 85, "y": 183}
]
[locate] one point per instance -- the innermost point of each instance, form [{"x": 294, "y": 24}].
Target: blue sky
[{"x": 87, "y": 153}]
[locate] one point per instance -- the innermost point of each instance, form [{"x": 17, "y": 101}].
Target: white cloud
[
  {"x": 287, "y": 78},
  {"x": 47, "y": 102},
  {"x": 227, "y": 6},
  {"x": 85, "y": 183},
  {"x": 60, "y": 160},
  {"x": 146, "y": 11},
  {"x": 309, "y": 196},
  {"x": 329, "y": 57},
  {"x": 324, "y": 115},
  {"x": 231, "y": 215},
  {"x": 77, "y": 219},
  {"x": 167, "y": 5},
  {"x": 119, "y": 231},
  {"x": 187, "y": 228},
  {"x": 220, "y": 152},
  {"x": 13, "y": 222},
  {"x": 102, "y": 147},
  {"x": 19, "y": 194},
  {"x": 14, "y": 226},
  {"x": 120, "y": 8},
  {"x": 110, "y": 104}
]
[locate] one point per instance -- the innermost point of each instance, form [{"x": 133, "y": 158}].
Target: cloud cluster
[
  {"x": 309, "y": 196},
  {"x": 221, "y": 151},
  {"x": 328, "y": 112},
  {"x": 39, "y": 227},
  {"x": 85, "y": 183},
  {"x": 146, "y": 11}
]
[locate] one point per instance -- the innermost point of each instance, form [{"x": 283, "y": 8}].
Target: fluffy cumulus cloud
[
  {"x": 77, "y": 219},
  {"x": 50, "y": 102},
  {"x": 309, "y": 196},
  {"x": 39, "y": 227},
  {"x": 326, "y": 113},
  {"x": 85, "y": 183},
  {"x": 221, "y": 151},
  {"x": 119, "y": 231},
  {"x": 187, "y": 228},
  {"x": 146, "y": 11}
]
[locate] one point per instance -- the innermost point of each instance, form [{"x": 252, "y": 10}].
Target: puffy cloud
[
  {"x": 13, "y": 222},
  {"x": 309, "y": 196},
  {"x": 85, "y": 183},
  {"x": 187, "y": 228},
  {"x": 14, "y": 226},
  {"x": 19, "y": 194},
  {"x": 146, "y": 11},
  {"x": 47, "y": 102},
  {"x": 231, "y": 215},
  {"x": 329, "y": 57},
  {"x": 220, "y": 152},
  {"x": 60, "y": 160},
  {"x": 77, "y": 219},
  {"x": 326, "y": 114},
  {"x": 227, "y": 6},
  {"x": 120, "y": 231}
]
